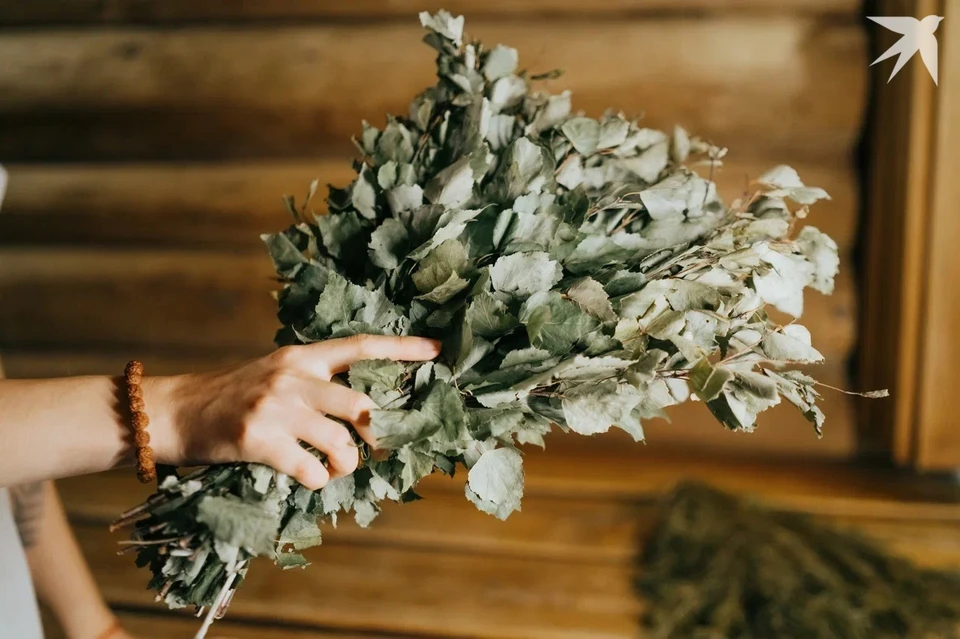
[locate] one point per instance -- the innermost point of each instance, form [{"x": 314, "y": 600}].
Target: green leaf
[
  {"x": 589, "y": 294},
  {"x": 380, "y": 374},
  {"x": 523, "y": 274},
  {"x": 453, "y": 186},
  {"x": 388, "y": 244},
  {"x": 287, "y": 258},
  {"x": 709, "y": 381},
  {"x": 396, "y": 428},
  {"x": 821, "y": 250},
  {"x": 287, "y": 560},
  {"x": 553, "y": 323},
  {"x": 301, "y": 531},
  {"x": 786, "y": 183},
  {"x": 490, "y": 317},
  {"x": 791, "y": 345},
  {"x": 338, "y": 494},
  {"x": 583, "y": 133},
  {"x": 339, "y": 231},
  {"x": 589, "y": 409},
  {"x": 496, "y": 480},
  {"x": 501, "y": 62},
  {"x": 363, "y": 197},
  {"x": 242, "y": 524}
]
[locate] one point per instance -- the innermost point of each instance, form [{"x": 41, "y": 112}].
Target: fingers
[
  {"x": 345, "y": 403},
  {"x": 334, "y": 440},
  {"x": 289, "y": 458},
  {"x": 335, "y": 356}
]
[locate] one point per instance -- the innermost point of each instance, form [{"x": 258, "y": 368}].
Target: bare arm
[
  {"x": 256, "y": 412},
  {"x": 72, "y": 426},
  {"x": 60, "y": 575}
]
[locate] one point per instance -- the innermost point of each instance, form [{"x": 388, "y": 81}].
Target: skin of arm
[
  {"x": 60, "y": 575},
  {"x": 257, "y": 412}
]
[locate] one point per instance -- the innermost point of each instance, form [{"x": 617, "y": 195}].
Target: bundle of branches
[
  {"x": 578, "y": 271},
  {"x": 716, "y": 567}
]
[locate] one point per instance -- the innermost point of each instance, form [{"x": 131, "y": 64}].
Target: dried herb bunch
[
  {"x": 716, "y": 567},
  {"x": 579, "y": 272}
]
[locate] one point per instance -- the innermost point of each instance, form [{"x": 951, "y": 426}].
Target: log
[
  {"x": 781, "y": 432},
  {"x": 201, "y": 204},
  {"x": 211, "y": 301},
  {"x": 43, "y": 12},
  {"x": 205, "y": 93}
]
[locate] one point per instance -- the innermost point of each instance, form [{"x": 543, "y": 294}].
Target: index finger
[{"x": 336, "y": 355}]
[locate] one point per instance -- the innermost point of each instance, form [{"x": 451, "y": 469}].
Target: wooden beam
[
  {"x": 911, "y": 266},
  {"x": 38, "y": 12},
  {"x": 201, "y": 204},
  {"x": 204, "y": 92},
  {"x": 938, "y": 436}
]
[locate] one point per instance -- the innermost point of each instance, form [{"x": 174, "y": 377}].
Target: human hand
[{"x": 259, "y": 411}]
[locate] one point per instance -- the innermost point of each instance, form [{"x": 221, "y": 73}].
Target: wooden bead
[{"x": 146, "y": 466}]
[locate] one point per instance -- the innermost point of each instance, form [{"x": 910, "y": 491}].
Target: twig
[{"x": 217, "y": 603}]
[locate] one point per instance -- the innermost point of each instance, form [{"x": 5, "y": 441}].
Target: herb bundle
[
  {"x": 578, "y": 271},
  {"x": 716, "y": 566}
]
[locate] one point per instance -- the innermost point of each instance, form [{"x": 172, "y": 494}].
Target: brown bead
[
  {"x": 140, "y": 421},
  {"x": 146, "y": 466}
]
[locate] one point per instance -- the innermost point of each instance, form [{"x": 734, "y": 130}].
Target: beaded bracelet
[
  {"x": 112, "y": 631},
  {"x": 146, "y": 468}
]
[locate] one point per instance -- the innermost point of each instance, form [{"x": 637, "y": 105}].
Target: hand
[{"x": 259, "y": 411}]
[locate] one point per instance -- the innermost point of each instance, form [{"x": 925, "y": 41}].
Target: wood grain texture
[
  {"x": 417, "y": 592},
  {"x": 214, "y": 301},
  {"x": 898, "y": 244},
  {"x": 781, "y": 432},
  {"x": 160, "y": 11},
  {"x": 615, "y": 482},
  {"x": 211, "y": 301},
  {"x": 938, "y": 432},
  {"x": 301, "y": 91},
  {"x": 552, "y": 528},
  {"x": 161, "y": 625},
  {"x": 543, "y": 573},
  {"x": 199, "y": 204}
]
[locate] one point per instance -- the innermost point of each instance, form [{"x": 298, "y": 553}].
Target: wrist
[{"x": 159, "y": 398}]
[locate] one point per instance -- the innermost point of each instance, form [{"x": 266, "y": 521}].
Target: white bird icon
[{"x": 917, "y": 36}]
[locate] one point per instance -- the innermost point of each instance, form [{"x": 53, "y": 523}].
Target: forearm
[
  {"x": 72, "y": 426},
  {"x": 61, "y": 577}
]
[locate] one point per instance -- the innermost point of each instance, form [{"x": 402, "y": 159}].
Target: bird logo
[{"x": 917, "y": 36}]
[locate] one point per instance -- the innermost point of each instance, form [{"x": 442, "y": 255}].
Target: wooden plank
[
  {"x": 897, "y": 244},
  {"x": 611, "y": 482},
  {"x": 162, "y": 11},
  {"x": 129, "y": 299},
  {"x": 417, "y": 592},
  {"x": 301, "y": 91},
  {"x": 781, "y": 432},
  {"x": 938, "y": 435},
  {"x": 552, "y": 528},
  {"x": 157, "y": 625},
  {"x": 215, "y": 301},
  {"x": 231, "y": 204}
]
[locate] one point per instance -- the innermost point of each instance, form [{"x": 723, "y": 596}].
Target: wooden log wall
[{"x": 149, "y": 142}]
